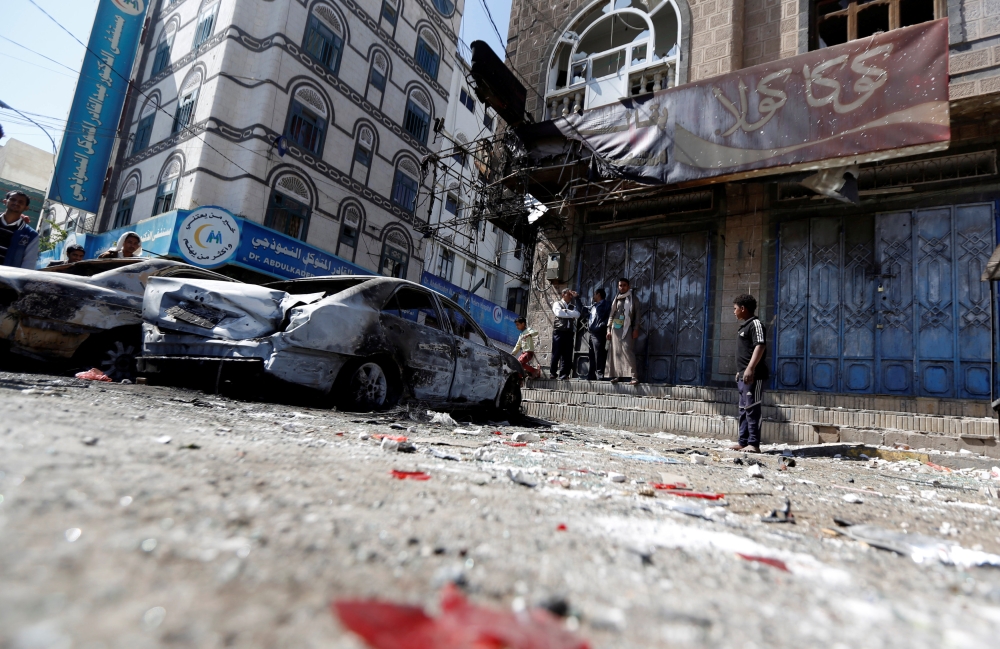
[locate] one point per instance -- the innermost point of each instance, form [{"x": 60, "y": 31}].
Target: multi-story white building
[
  {"x": 309, "y": 116},
  {"x": 466, "y": 250}
]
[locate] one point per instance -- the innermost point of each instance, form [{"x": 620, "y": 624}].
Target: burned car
[
  {"x": 361, "y": 342},
  {"x": 83, "y": 314}
]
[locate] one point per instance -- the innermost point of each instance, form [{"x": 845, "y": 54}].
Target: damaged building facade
[
  {"x": 881, "y": 295},
  {"x": 309, "y": 117}
]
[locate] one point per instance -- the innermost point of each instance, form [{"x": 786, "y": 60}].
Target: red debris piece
[
  {"x": 938, "y": 467},
  {"x": 668, "y": 485},
  {"x": 410, "y": 475},
  {"x": 774, "y": 563},
  {"x": 395, "y": 438},
  {"x": 497, "y": 432},
  {"x": 516, "y": 443},
  {"x": 94, "y": 374},
  {"x": 561, "y": 527},
  {"x": 461, "y": 625},
  {"x": 696, "y": 494}
]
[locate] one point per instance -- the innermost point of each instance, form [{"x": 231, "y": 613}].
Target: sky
[{"x": 43, "y": 89}]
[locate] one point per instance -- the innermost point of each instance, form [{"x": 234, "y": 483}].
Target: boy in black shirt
[{"x": 751, "y": 371}]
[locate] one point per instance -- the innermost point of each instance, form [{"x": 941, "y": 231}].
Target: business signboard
[
  {"x": 97, "y": 104},
  {"x": 869, "y": 99},
  {"x": 497, "y": 322},
  {"x": 278, "y": 254}
]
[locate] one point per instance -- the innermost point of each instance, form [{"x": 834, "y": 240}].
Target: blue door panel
[{"x": 974, "y": 242}]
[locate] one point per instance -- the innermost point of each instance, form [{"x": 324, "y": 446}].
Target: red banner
[{"x": 870, "y": 99}]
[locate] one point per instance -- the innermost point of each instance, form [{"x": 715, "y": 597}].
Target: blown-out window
[
  {"x": 185, "y": 111},
  {"x": 427, "y": 56},
  {"x": 839, "y": 21},
  {"x": 389, "y": 13},
  {"x": 286, "y": 215},
  {"x": 363, "y": 149},
  {"x": 162, "y": 58},
  {"x": 144, "y": 131},
  {"x": 165, "y": 196},
  {"x": 404, "y": 191},
  {"x": 123, "y": 216},
  {"x": 206, "y": 24},
  {"x": 416, "y": 120}
]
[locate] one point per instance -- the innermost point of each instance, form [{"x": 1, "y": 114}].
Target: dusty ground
[{"x": 242, "y": 529}]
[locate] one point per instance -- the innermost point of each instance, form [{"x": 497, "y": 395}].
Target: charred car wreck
[
  {"x": 83, "y": 314},
  {"x": 362, "y": 342}
]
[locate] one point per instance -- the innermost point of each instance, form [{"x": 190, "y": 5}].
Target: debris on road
[
  {"x": 920, "y": 548},
  {"x": 461, "y": 625},
  {"x": 89, "y": 441},
  {"x": 783, "y": 515},
  {"x": 94, "y": 374},
  {"x": 774, "y": 563},
  {"x": 526, "y": 437},
  {"x": 162, "y": 439},
  {"x": 754, "y": 471},
  {"x": 410, "y": 475},
  {"x": 852, "y": 498},
  {"x": 442, "y": 418},
  {"x": 521, "y": 478}
]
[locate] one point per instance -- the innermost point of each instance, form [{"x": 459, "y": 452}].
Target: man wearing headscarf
[
  {"x": 129, "y": 245},
  {"x": 623, "y": 329}
]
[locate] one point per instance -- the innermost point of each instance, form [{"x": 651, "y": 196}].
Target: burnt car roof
[{"x": 91, "y": 267}]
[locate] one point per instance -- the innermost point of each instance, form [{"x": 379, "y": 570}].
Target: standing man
[
  {"x": 622, "y": 332},
  {"x": 751, "y": 371},
  {"x": 18, "y": 240},
  {"x": 597, "y": 333},
  {"x": 563, "y": 335}
]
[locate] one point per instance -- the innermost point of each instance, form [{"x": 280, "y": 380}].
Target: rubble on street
[{"x": 144, "y": 516}]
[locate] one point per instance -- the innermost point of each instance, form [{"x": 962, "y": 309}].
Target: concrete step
[
  {"x": 788, "y": 417},
  {"x": 880, "y": 403},
  {"x": 954, "y": 426}
]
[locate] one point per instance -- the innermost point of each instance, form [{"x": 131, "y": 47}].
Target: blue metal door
[
  {"x": 669, "y": 277},
  {"x": 890, "y": 305},
  {"x": 933, "y": 312}
]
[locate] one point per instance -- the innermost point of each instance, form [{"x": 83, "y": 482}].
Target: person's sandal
[
  {"x": 736, "y": 447},
  {"x": 752, "y": 449}
]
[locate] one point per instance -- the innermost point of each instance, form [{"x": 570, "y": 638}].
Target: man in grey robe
[{"x": 623, "y": 330}]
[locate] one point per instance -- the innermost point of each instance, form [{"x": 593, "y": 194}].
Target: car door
[
  {"x": 418, "y": 336},
  {"x": 478, "y": 366}
]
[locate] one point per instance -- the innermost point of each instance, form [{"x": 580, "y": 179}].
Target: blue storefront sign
[
  {"x": 497, "y": 322},
  {"x": 97, "y": 104},
  {"x": 212, "y": 237}
]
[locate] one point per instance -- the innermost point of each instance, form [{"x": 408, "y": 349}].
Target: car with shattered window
[
  {"x": 82, "y": 315},
  {"x": 359, "y": 342}
]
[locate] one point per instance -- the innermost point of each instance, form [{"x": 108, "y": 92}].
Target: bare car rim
[
  {"x": 369, "y": 386},
  {"x": 118, "y": 361}
]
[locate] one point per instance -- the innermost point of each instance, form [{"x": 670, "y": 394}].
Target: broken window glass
[
  {"x": 839, "y": 21},
  {"x": 414, "y": 305}
]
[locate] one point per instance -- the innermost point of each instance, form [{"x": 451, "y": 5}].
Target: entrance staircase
[{"x": 788, "y": 417}]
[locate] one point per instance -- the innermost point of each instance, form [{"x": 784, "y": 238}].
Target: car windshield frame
[{"x": 475, "y": 325}]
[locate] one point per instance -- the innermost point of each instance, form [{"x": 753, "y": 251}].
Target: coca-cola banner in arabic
[{"x": 868, "y": 99}]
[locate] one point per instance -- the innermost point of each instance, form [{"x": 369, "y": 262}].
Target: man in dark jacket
[
  {"x": 18, "y": 240},
  {"x": 597, "y": 334}
]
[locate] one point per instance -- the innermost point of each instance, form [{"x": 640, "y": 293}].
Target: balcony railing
[{"x": 658, "y": 76}]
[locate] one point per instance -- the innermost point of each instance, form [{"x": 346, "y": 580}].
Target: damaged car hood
[{"x": 217, "y": 309}]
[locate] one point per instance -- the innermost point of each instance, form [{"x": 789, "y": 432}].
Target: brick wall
[{"x": 716, "y": 37}]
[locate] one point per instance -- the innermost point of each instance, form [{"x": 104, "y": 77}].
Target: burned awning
[{"x": 871, "y": 99}]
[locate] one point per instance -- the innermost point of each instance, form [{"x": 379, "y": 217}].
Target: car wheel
[
  {"x": 368, "y": 387},
  {"x": 113, "y": 353},
  {"x": 510, "y": 398}
]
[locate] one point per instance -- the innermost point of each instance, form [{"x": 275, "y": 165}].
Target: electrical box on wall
[{"x": 553, "y": 269}]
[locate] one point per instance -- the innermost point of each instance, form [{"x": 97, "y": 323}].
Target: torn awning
[{"x": 870, "y": 99}]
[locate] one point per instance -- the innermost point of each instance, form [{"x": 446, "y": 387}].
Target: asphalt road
[{"x": 137, "y": 516}]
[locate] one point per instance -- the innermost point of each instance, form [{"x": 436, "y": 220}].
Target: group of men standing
[{"x": 615, "y": 325}]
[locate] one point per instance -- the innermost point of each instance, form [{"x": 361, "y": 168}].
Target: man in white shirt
[{"x": 563, "y": 335}]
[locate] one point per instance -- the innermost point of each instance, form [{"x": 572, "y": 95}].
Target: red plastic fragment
[
  {"x": 461, "y": 625},
  {"x": 94, "y": 374},
  {"x": 669, "y": 485},
  {"x": 696, "y": 494},
  {"x": 938, "y": 467},
  {"x": 497, "y": 432},
  {"x": 410, "y": 475},
  {"x": 774, "y": 563},
  {"x": 395, "y": 438},
  {"x": 516, "y": 443},
  {"x": 561, "y": 527}
]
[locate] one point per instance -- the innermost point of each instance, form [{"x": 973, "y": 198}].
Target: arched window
[
  {"x": 187, "y": 99},
  {"x": 307, "y": 119},
  {"x": 324, "y": 39},
  {"x": 405, "y": 185},
  {"x": 616, "y": 48},
  {"x": 144, "y": 130},
  {"x": 352, "y": 222},
  {"x": 428, "y": 52},
  {"x": 206, "y": 22},
  {"x": 378, "y": 76},
  {"x": 395, "y": 254},
  {"x": 162, "y": 58},
  {"x": 390, "y": 14},
  {"x": 166, "y": 191},
  {"x": 123, "y": 215},
  {"x": 288, "y": 208},
  {"x": 364, "y": 153},
  {"x": 417, "y": 118},
  {"x": 446, "y": 7}
]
